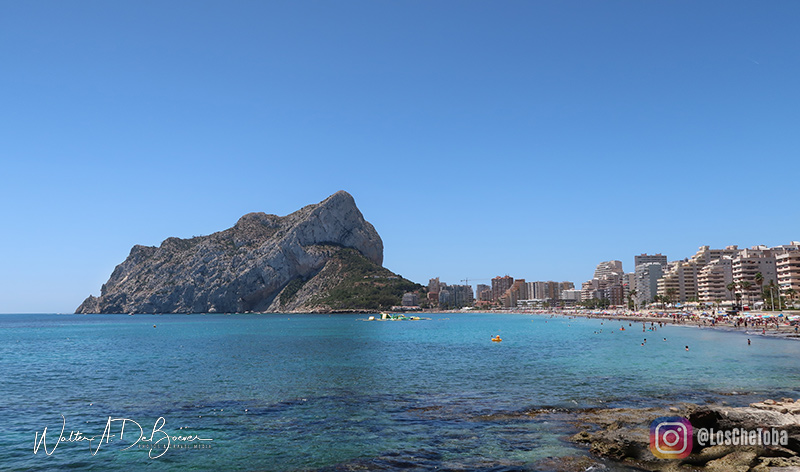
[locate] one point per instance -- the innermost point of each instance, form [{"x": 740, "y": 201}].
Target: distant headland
[{"x": 322, "y": 258}]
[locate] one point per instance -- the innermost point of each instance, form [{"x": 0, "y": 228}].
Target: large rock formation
[{"x": 245, "y": 268}]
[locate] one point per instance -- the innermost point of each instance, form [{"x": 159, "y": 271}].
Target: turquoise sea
[{"x": 335, "y": 393}]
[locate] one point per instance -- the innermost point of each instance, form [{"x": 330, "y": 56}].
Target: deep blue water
[{"x": 310, "y": 392}]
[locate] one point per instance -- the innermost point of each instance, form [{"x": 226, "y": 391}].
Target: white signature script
[{"x": 158, "y": 440}]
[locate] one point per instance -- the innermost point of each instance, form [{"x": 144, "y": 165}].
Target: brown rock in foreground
[{"x": 623, "y": 435}]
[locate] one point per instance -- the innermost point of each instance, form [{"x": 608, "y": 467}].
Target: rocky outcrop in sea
[{"x": 244, "y": 268}]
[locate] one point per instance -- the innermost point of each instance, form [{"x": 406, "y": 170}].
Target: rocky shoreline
[{"x": 622, "y": 435}]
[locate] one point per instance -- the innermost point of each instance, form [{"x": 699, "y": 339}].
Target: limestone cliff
[{"x": 246, "y": 267}]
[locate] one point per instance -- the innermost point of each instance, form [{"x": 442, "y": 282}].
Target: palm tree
[
  {"x": 767, "y": 293},
  {"x": 657, "y": 298},
  {"x": 759, "y": 278},
  {"x": 745, "y": 286},
  {"x": 671, "y": 292},
  {"x": 731, "y": 288},
  {"x": 772, "y": 289}
]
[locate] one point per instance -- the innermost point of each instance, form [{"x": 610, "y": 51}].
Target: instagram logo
[{"x": 671, "y": 437}]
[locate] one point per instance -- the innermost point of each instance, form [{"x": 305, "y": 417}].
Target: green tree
[
  {"x": 773, "y": 289},
  {"x": 745, "y": 286},
  {"x": 732, "y": 288},
  {"x": 671, "y": 292},
  {"x": 759, "y": 278},
  {"x": 790, "y": 292}
]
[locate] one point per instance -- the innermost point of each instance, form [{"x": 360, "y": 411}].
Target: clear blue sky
[{"x": 530, "y": 138}]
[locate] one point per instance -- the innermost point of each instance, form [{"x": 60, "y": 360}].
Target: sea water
[{"x": 337, "y": 392}]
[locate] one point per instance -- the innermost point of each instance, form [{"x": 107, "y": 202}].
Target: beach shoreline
[{"x": 770, "y": 327}]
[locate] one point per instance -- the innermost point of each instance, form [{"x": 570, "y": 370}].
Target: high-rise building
[
  {"x": 649, "y": 258},
  {"x": 607, "y": 268},
  {"x": 615, "y": 294},
  {"x": 500, "y": 285},
  {"x": 679, "y": 283},
  {"x": 462, "y": 295},
  {"x": 788, "y": 269},
  {"x": 445, "y": 299},
  {"x": 646, "y": 281},
  {"x": 410, "y": 299},
  {"x": 540, "y": 290},
  {"x": 746, "y": 265},
  {"x": 521, "y": 288},
  {"x": 713, "y": 281},
  {"x": 590, "y": 289},
  {"x": 433, "y": 285},
  {"x": 517, "y": 291},
  {"x": 608, "y": 283},
  {"x": 531, "y": 290},
  {"x": 628, "y": 285},
  {"x": 646, "y": 275},
  {"x": 454, "y": 296}
]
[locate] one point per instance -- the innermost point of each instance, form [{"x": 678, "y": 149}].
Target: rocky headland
[{"x": 324, "y": 257}]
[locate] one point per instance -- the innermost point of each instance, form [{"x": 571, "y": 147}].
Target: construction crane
[{"x": 466, "y": 281}]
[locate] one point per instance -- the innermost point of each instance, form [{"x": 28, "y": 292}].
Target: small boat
[{"x": 396, "y": 317}]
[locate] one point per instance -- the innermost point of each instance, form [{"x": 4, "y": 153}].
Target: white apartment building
[
  {"x": 646, "y": 281},
  {"x": 608, "y": 268},
  {"x": 679, "y": 283},
  {"x": 749, "y": 263},
  {"x": 788, "y": 268},
  {"x": 681, "y": 278},
  {"x": 571, "y": 294},
  {"x": 713, "y": 280}
]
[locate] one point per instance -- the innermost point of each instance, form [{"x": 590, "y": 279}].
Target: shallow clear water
[{"x": 307, "y": 392}]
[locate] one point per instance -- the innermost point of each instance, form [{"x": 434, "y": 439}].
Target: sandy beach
[{"x": 757, "y": 323}]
